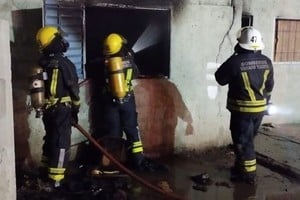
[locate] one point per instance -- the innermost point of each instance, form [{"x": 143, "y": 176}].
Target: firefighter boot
[
  {"x": 49, "y": 185},
  {"x": 143, "y": 164},
  {"x": 250, "y": 178},
  {"x": 238, "y": 175}
]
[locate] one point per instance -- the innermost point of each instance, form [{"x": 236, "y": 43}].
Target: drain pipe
[{"x": 123, "y": 168}]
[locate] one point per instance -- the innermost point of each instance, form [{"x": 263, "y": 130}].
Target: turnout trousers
[
  {"x": 244, "y": 128},
  {"x": 57, "y": 140},
  {"x": 121, "y": 118}
]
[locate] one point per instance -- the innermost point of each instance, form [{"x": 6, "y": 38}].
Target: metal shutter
[{"x": 69, "y": 17}]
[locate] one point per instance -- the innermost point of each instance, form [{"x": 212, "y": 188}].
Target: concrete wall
[
  {"x": 7, "y": 6},
  {"x": 202, "y": 37},
  {"x": 7, "y": 158},
  {"x": 285, "y": 94},
  {"x": 198, "y": 45}
]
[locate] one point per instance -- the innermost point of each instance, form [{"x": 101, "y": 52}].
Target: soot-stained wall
[
  {"x": 24, "y": 55},
  {"x": 147, "y": 33}
]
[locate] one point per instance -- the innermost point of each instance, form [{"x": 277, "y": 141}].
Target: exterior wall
[
  {"x": 7, "y": 158},
  {"x": 191, "y": 46},
  {"x": 285, "y": 95},
  {"x": 198, "y": 45},
  {"x": 7, "y": 6},
  {"x": 202, "y": 37}
]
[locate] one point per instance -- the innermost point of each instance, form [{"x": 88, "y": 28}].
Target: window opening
[
  {"x": 247, "y": 20},
  {"x": 147, "y": 32},
  {"x": 68, "y": 17},
  {"x": 287, "y": 40}
]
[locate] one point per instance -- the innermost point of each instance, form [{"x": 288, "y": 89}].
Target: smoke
[{"x": 149, "y": 37}]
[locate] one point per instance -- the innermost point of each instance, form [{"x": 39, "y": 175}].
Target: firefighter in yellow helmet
[
  {"x": 118, "y": 101},
  {"x": 62, "y": 103},
  {"x": 249, "y": 75}
]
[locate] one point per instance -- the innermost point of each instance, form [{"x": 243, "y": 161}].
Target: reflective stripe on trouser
[
  {"x": 57, "y": 174},
  {"x": 249, "y": 166},
  {"x": 137, "y": 147}
]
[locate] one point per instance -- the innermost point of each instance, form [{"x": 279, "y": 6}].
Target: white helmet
[{"x": 249, "y": 38}]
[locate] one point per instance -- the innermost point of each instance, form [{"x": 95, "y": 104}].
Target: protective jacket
[
  {"x": 249, "y": 75},
  {"x": 62, "y": 83}
]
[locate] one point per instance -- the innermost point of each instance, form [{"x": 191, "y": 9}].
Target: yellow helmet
[
  {"x": 113, "y": 43},
  {"x": 45, "y": 36}
]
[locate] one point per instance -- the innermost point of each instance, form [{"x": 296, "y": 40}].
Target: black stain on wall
[{"x": 24, "y": 56}]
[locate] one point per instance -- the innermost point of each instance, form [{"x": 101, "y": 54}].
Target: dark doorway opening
[
  {"x": 247, "y": 20},
  {"x": 147, "y": 33}
]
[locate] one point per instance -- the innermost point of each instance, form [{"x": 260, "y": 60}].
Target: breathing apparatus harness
[{"x": 119, "y": 73}]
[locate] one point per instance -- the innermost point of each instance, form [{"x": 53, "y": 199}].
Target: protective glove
[{"x": 74, "y": 114}]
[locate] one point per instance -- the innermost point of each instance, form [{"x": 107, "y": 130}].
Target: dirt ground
[{"x": 214, "y": 163}]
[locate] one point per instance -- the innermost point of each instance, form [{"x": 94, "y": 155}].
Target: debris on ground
[
  {"x": 267, "y": 126},
  {"x": 202, "y": 179},
  {"x": 224, "y": 184},
  {"x": 79, "y": 187},
  {"x": 202, "y": 188},
  {"x": 190, "y": 173},
  {"x": 164, "y": 185}
]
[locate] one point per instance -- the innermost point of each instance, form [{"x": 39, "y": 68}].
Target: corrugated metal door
[{"x": 69, "y": 17}]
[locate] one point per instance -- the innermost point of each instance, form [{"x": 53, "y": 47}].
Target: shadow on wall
[
  {"x": 24, "y": 55},
  {"x": 159, "y": 105}
]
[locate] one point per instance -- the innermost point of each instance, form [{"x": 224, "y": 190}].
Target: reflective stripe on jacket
[{"x": 62, "y": 83}]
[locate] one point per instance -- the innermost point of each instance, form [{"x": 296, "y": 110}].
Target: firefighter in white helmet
[
  {"x": 249, "y": 75},
  {"x": 118, "y": 101},
  {"x": 61, "y": 106}
]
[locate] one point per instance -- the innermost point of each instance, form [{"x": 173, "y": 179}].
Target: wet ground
[{"x": 271, "y": 185}]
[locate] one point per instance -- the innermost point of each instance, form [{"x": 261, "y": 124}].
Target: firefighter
[
  {"x": 249, "y": 75},
  {"x": 118, "y": 101},
  {"x": 62, "y": 103}
]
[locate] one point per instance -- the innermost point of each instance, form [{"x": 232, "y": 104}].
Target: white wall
[
  {"x": 6, "y": 6},
  {"x": 202, "y": 38},
  {"x": 286, "y": 92},
  {"x": 196, "y": 48},
  {"x": 7, "y": 153}
]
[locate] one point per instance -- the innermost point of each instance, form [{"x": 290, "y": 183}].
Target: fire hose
[{"x": 123, "y": 168}]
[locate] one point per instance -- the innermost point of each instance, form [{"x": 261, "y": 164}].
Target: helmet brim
[{"x": 253, "y": 47}]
